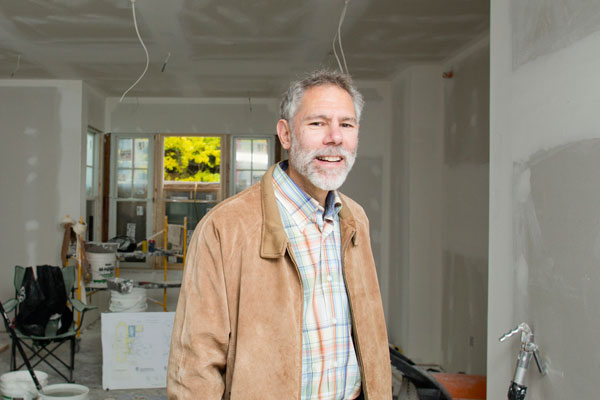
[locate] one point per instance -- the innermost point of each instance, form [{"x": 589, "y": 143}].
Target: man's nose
[{"x": 334, "y": 134}]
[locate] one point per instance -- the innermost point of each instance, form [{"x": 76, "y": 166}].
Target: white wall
[
  {"x": 415, "y": 283},
  {"x": 544, "y": 195},
  {"x": 94, "y": 108},
  {"x": 439, "y": 195},
  {"x": 40, "y": 170},
  {"x": 465, "y": 209},
  {"x": 208, "y": 116},
  {"x": 398, "y": 284},
  {"x": 369, "y": 182}
]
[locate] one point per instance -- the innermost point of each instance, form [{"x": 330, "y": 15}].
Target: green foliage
[{"x": 192, "y": 158}]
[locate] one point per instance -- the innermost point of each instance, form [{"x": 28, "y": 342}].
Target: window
[
  {"x": 191, "y": 177},
  {"x": 251, "y": 158},
  {"x": 91, "y": 182},
  {"x": 177, "y": 177},
  {"x": 131, "y": 191}
]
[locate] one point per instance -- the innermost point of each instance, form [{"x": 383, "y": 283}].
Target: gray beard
[{"x": 301, "y": 161}]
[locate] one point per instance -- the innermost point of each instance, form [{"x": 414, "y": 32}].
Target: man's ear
[{"x": 284, "y": 131}]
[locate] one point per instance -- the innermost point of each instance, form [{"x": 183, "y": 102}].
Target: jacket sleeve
[{"x": 200, "y": 336}]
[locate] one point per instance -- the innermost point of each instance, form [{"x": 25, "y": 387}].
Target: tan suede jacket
[{"x": 238, "y": 326}]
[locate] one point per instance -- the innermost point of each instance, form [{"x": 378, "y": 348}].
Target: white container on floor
[
  {"x": 64, "y": 391},
  {"x": 128, "y": 302},
  {"x": 19, "y": 384}
]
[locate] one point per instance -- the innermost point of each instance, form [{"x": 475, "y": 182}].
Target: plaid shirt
[{"x": 329, "y": 365}]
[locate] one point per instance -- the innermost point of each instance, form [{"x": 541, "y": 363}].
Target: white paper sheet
[{"x": 135, "y": 349}]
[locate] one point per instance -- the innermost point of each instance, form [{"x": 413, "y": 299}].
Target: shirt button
[
  {"x": 329, "y": 278},
  {"x": 335, "y": 364},
  {"x": 334, "y": 321}
]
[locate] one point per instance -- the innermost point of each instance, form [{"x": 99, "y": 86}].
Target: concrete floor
[
  {"x": 88, "y": 369},
  {"x": 88, "y": 361}
]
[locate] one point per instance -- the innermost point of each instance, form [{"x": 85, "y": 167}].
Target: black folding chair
[
  {"x": 427, "y": 387},
  {"x": 42, "y": 346}
]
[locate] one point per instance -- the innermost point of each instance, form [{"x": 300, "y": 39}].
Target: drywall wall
[
  {"x": 368, "y": 183},
  {"x": 544, "y": 104},
  {"x": 557, "y": 233},
  {"x": 465, "y": 209},
  {"x": 165, "y": 115},
  {"x": 94, "y": 108},
  {"x": 40, "y": 170},
  {"x": 541, "y": 26},
  {"x": 398, "y": 283},
  {"x": 415, "y": 284}
]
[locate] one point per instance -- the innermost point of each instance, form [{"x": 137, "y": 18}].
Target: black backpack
[{"x": 42, "y": 298}]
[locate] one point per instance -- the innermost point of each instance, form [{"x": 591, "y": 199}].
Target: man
[{"x": 280, "y": 298}]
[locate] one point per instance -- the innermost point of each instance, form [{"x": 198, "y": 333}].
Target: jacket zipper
[
  {"x": 355, "y": 333},
  {"x": 291, "y": 255}
]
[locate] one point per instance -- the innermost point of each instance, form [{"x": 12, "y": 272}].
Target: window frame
[
  {"x": 113, "y": 192},
  {"x": 96, "y": 184},
  {"x": 271, "y": 139}
]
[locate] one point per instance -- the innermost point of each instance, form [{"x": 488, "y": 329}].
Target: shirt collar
[{"x": 301, "y": 207}]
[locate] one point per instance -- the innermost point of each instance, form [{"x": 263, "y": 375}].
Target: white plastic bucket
[
  {"x": 19, "y": 384},
  {"x": 128, "y": 302},
  {"x": 103, "y": 266},
  {"x": 64, "y": 391}
]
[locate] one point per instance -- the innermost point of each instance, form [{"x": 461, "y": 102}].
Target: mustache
[{"x": 332, "y": 151}]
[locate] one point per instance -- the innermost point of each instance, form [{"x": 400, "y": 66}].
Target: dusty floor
[
  {"x": 88, "y": 361},
  {"x": 88, "y": 370}
]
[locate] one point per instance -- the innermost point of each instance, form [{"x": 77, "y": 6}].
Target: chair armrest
[
  {"x": 9, "y": 305},
  {"x": 80, "y": 307}
]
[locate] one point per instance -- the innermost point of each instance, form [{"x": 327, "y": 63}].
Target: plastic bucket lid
[
  {"x": 128, "y": 302},
  {"x": 18, "y": 384},
  {"x": 64, "y": 391}
]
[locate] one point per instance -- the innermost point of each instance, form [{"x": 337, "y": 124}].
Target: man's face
[{"x": 324, "y": 138}]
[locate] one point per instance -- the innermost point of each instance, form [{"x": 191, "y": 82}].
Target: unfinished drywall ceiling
[
  {"x": 225, "y": 49},
  {"x": 394, "y": 34}
]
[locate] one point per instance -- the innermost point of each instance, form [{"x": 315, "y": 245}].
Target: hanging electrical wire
[
  {"x": 145, "y": 50},
  {"x": 339, "y": 33},
  {"x": 338, "y": 36},
  {"x": 165, "y": 62},
  {"x": 335, "y": 52}
]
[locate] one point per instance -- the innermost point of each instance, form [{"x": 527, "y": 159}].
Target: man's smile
[{"x": 331, "y": 159}]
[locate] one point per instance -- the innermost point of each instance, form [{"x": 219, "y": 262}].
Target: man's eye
[
  {"x": 316, "y": 123},
  {"x": 345, "y": 125}
]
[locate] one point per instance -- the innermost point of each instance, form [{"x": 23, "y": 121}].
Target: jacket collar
[{"x": 273, "y": 237}]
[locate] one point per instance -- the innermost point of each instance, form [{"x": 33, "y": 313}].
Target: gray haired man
[{"x": 280, "y": 298}]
